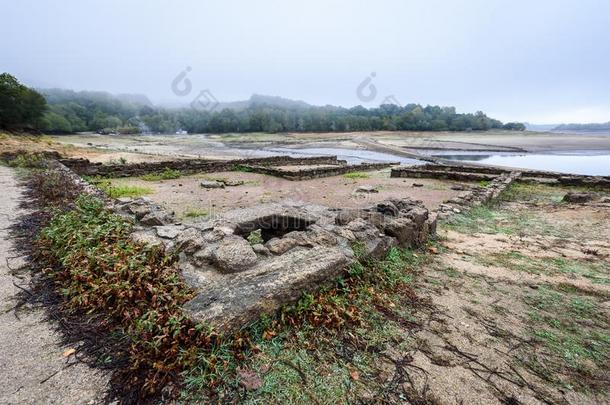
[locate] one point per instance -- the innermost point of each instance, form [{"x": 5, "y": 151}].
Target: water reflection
[
  {"x": 596, "y": 163},
  {"x": 353, "y": 156}
]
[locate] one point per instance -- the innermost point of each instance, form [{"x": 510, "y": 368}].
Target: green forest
[
  {"x": 66, "y": 111},
  {"x": 605, "y": 126}
]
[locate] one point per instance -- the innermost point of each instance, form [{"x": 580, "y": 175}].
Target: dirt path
[
  {"x": 372, "y": 144},
  {"x": 33, "y": 367}
]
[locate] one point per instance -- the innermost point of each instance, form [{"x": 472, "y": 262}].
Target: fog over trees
[{"x": 67, "y": 111}]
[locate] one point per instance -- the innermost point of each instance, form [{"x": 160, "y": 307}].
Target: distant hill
[
  {"x": 71, "y": 111},
  {"x": 60, "y": 96},
  {"x": 583, "y": 127},
  {"x": 259, "y": 100},
  {"x": 137, "y": 99},
  {"x": 66, "y": 111}
]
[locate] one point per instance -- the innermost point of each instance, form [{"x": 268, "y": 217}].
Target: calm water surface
[
  {"x": 353, "y": 156},
  {"x": 596, "y": 163}
]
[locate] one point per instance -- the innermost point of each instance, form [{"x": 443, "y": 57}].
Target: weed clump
[
  {"x": 122, "y": 190},
  {"x": 167, "y": 174},
  {"x": 25, "y": 160},
  {"x": 137, "y": 289},
  {"x": 242, "y": 168},
  {"x": 195, "y": 213},
  {"x": 356, "y": 175}
]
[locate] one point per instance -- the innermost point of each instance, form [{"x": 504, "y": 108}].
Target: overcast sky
[{"x": 542, "y": 61}]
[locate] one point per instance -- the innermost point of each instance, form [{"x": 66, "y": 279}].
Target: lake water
[
  {"x": 353, "y": 156},
  {"x": 596, "y": 163}
]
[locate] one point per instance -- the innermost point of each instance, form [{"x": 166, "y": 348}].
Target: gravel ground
[{"x": 34, "y": 367}]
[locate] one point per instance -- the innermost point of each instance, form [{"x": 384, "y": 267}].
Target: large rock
[
  {"x": 418, "y": 215},
  {"x": 145, "y": 211},
  {"x": 234, "y": 254},
  {"x": 266, "y": 287},
  {"x": 403, "y": 229},
  {"x": 190, "y": 240},
  {"x": 169, "y": 231},
  {"x": 146, "y": 237},
  {"x": 346, "y": 216},
  {"x": 211, "y": 184},
  {"x": 157, "y": 218},
  {"x": 306, "y": 246},
  {"x": 579, "y": 198},
  {"x": 366, "y": 189},
  {"x": 387, "y": 208}
]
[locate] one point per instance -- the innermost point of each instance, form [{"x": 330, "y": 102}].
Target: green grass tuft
[
  {"x": 242, "y": 168},
  {"x": 123, "y": 190},
  {"x": 167, "y": 174},
  {"x": 356, "y": 175},
  {"x": 195, "y": 213},
  {"x": 255, "y": 237}
]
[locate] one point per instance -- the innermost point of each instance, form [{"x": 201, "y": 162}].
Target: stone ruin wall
[
  {"x": 477, "y": 195},
  {"x": 318, "y": 172},
  {"x": 302, "y": 246},
  {"x": 330, "y": 166},
  {"x": 478, "y": 173},
  {"x": 84, "y": 167}
]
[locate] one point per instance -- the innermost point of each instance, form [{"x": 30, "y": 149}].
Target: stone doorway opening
[{"x": 272, "y": 226}]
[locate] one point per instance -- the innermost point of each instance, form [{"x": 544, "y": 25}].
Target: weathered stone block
[
  {"x": 270, "y": 284},
  {"x": 234, "y": 254}
]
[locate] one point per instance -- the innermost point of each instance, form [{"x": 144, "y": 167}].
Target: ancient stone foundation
[
  {"x": 251, "y": 261},
  {"x": 84, "y": 167},
  {"x": 280, "y": 166},
  {"x": 477, "y": 173},
  {"x": 248, "y": 262},
  {"x": 315, "y": 172},
  {"x": 477, "y": 195}
]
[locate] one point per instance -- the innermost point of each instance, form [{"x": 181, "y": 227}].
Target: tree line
[
  {"x": 605, "y": 126},
  {"x": 66, "y": 111}
]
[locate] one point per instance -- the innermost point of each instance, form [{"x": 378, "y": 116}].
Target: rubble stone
[
  {"x": 211, "y": 184},
  {"x": 234, "y": 254},
  {"x": 169, "y": 231},
  {"x": 366, "y": 189},
  {"x": 579, "y": 198}
]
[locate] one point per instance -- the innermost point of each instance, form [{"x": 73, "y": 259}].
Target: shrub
[
  {"x": 26, "y": 160},
  {"x": 138, "y": 290}
]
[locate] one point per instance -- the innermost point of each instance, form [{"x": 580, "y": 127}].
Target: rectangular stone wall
[
  {"x": 441, "y": 174},
  {"x": 476, "y": 173},
  {"x": 477, "y": 195},
  {"x": 86, "y": 168},
  {"x": 319, "y": 172}
]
